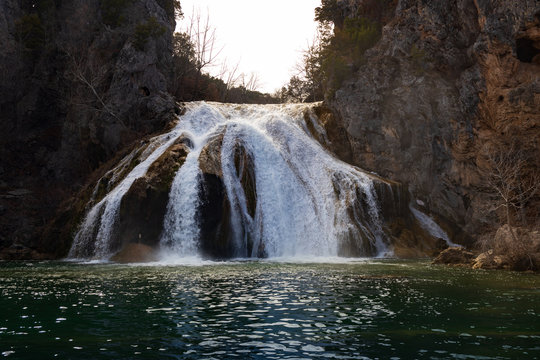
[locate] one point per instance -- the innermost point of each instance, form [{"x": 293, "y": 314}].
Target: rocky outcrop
[
  {"x": 503, "y": 250},
  {"x": 144, "y": 206},
  {"x": 457, "y": 256},
  {"x": 216, "y": 234},
  {"x": 511, "y": 248},
  {"x": 135, "y": 253},
  {"x": 445, "y": 81},
  {"x": 79, "y": 81}
]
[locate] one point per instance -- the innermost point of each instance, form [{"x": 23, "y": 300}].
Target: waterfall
[
  {"x": 302, "y": 202},
  {"x": 93, "y": 237},
  {"x": 431, "y": 226}
]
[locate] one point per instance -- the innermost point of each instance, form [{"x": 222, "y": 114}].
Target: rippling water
[{"x": 379, "y": 309}]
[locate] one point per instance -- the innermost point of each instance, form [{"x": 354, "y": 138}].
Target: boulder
[
  {"x": 488, "y": 260},
  {"x": 504, "y": 252},
  {"x": 135, "y": 253},
  {"x": 455, "y": 256},
  {"x": 210, "y": 157}
]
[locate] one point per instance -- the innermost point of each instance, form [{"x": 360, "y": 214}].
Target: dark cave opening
[{"x": 525, "y": 50}]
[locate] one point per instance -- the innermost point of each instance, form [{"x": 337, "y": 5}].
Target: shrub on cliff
[
  {"x": 338, "y": 50},
  {"x": 112, "y": 11},
  {"x": 30, "y": 31},
  {"x": 171, "y": 7},
  {"x": 147, "y": 30}
]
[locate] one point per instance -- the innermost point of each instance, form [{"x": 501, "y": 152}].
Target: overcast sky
[{"x": 265, "y": 37}]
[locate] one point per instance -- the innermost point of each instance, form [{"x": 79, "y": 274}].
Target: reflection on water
[{"x": 260, "y": 310}]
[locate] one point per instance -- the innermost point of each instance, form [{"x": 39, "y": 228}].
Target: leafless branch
[
  {"x": 92, "y": 77},
  {"x": 203, "y": 36}
]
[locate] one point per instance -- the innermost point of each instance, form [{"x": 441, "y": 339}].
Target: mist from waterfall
[{"x": 306, "y": 200}]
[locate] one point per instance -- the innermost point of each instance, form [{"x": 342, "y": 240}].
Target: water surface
[{"x": 377, "y": 309}]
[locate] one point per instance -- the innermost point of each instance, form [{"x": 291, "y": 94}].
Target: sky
[{"x": 263, "y": 37}]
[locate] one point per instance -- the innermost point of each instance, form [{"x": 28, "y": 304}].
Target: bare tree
[
  {"x": 513, "y": 180},
  {"x": 92, "y": 77},
  {"x": 203, "y": 37},
  {"x": 229, "y": 76},
  {"x": 250, "y": 82}
]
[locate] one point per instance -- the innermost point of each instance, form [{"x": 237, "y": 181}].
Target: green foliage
[
  {"x": 338, "y": 51},
  {"x": 171, "y": 7},
  {"x": 335, "y": 71},
  {"x": 329, "y": 11},
  {"x": 343, "y": 53},
  {"x": 358, "y": 35},
  {"x": 183, "y": 50},
  {"x": 418, "y": 59},
  {"x": 144, "y": 31},
  {"x": 111, "y": 11},
  {"x": 30, "y": 31}
]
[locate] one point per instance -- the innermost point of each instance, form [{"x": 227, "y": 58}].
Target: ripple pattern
[{"x": 379, "y": 309}]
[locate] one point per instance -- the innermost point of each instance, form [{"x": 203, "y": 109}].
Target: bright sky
[{"x": 265, "y": 37}]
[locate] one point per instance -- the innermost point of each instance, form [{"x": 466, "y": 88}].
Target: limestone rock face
[
  {"x": 446, "y": 80},
  {"x": 73, "y": 98}
]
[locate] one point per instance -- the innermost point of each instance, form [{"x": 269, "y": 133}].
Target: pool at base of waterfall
[{"x": 356, "y": 309}]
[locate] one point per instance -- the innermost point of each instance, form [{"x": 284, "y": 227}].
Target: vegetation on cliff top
[
  {"x": 343, "y": 36},
  {"x": 195, "y": 50}
]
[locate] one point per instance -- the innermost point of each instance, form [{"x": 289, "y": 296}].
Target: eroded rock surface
[
  {"x": 74, "y": 90},
  {"x": 446, "y": 80}
]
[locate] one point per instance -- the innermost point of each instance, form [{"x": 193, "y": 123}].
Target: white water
[
  {"x": 431, "y": 226},
  {"x": 306, "y": 200},
  {"x": 103, "y": 216},
  {"x": 181, "y": 227}
]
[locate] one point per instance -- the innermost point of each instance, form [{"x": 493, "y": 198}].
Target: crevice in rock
[{"x": 527, "y": 51}]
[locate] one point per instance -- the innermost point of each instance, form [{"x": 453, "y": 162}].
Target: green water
[{"x": 380, "y": 309}]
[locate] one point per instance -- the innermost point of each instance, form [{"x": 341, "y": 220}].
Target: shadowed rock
[{"x": 144, "y": 206}]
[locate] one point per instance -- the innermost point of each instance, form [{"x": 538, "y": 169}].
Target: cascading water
[
  {"x": 304, "y": 202},
  {"x": 94, "y": 235},
  {"x": 431, "y": 226}
]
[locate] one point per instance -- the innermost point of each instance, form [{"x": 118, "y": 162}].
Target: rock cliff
[
  {"x": 79, "y": 80},
  {"x": 447, "y": 80}
]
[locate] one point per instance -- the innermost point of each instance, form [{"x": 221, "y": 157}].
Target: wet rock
[
  {"x": 135, "y": 253},
  {"x": 337, "y": 139},
  {"x": 22, "y": 252},
  {"x": 216, "y": 239},
  {"x": 210, "y": 157},
  {"x": 144, "y": 206},
  {"x": 455, "y": 256}
]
